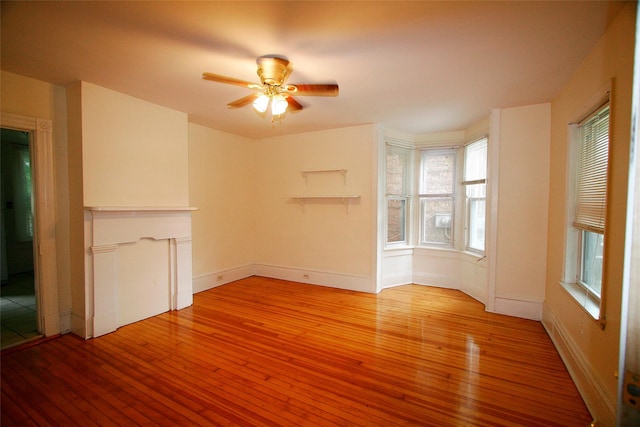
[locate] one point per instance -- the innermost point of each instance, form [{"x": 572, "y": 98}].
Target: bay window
[{"x": 439, "y": 218}]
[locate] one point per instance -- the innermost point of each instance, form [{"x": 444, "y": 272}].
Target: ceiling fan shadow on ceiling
[{"x": 273, "y": 93}]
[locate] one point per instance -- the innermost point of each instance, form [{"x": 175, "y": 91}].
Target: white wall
[
  {"x": 323, "y": 241},
  {"x": 222, "y": 187}
]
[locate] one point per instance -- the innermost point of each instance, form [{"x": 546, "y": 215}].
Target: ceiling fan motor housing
[{"x": 272, "y": 71}]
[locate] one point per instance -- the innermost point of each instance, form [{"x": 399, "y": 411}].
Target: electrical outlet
[
  {"x": 220, "y": 278},
  {"x": 305, "y": 276}
]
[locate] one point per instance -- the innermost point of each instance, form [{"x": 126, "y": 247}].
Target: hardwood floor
[{"x": 269, "y": 352}]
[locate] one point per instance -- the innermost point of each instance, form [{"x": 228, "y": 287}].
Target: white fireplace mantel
[{"x": 107, "y": 229}]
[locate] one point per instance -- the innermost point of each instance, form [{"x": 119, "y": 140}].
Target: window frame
[
  {"x": 466, "y": 183},
  {"x": 405, "y": 195},
  {"x": 422, "y": 197}
]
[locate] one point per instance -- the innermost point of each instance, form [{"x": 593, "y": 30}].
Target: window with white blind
[
  {"x": 591, "y": 196},
  {"x": 585, "y": 247}
]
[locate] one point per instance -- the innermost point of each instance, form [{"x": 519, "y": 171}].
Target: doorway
[{"x": 19, "y": 309}]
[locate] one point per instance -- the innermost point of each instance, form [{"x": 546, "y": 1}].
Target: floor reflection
[{"x": 18, "y": 312}]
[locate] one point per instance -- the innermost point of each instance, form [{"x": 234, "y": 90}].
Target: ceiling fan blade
[
  {"x": 245, "y": 100},
  {"x": 293, "y": 104},
  {"x": 316, "y": 89},
  {"x": 230, "y": 80}
]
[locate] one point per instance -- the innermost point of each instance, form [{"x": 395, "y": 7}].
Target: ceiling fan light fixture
[
  {"x": 261, "y": 103},
  {"x": 273, "y": 91},
  {"x": 278, "y": 105}
]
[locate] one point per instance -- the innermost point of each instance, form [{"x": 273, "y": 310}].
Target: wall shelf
[
  {"x": 140, "y": 208},
  {"x": 345, "y": 199},
  {"x": 343, "y": 172}
]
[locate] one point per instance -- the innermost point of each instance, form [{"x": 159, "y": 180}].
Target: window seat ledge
[{"x": 585, "y": 299}]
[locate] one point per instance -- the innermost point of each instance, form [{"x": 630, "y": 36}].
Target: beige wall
[
  {"x": 523, "y": 194},
  {"x": 153, "y": 146},
  {"x": 126, "y": 152},
  {"x": 28, "y": 97},
  {"x": 321, "y": 237},
  {"x": 76, "y": 213},
  {"x": 134, "y": 153},
  {"x": 221, "y": 186},
  {"x": 592, "y": 353},
  {"x": 34, "y": 98}
]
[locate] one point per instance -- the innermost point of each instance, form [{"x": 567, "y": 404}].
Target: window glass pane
[
  {"x": 437, "y": 172},
  {"x": 398, "y": 187},
  {"x": 592, "y": 250},
  {"x": 477, "y": 208},
  {"x": 396, "y": 220},
  {"x": 436, "y": 224},
  {"x": 475, "y": 161},
  {"x": 396, "y": 171}
]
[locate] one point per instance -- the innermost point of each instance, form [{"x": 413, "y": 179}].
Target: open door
[
  {"x": 18, "y": 292},
  {"x": 43, "y": 220}
]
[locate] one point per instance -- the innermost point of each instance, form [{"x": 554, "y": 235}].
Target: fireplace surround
[{"x": 138, "y": 264}]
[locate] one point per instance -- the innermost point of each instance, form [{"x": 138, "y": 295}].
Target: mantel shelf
[{"x": 345, "y": 199}]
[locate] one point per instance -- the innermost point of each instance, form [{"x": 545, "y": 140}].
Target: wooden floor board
[{"x": 268, "y": 352}]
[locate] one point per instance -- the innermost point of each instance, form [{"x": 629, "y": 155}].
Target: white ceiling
[{"x": 416, "y": 67}]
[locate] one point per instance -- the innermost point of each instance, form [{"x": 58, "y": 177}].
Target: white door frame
[{"x": 44, "y": 240}]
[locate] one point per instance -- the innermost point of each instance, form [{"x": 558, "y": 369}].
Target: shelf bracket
[
  {"x": 300, "y": 202},
  {"x": 345, "y": 202}
]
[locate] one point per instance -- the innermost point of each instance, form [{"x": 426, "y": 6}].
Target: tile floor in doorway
[{"x": 18, "y": 310}]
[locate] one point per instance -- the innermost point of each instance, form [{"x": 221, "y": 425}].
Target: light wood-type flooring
[{"x": 265, "y": 352}]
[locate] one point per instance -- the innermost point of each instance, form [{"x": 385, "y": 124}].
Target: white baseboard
[
  {"x": 65, "y": 321},
  {"x": 350, "y": 282},
  {"x": 511, "y": 306},
  {"x": 475, "y": 293},
  {"x": 436, "y": 280},
  {"x": 600, "y": 403},
  {"x": 393, "y": 280},
  {"x": 207, "y": 281},
  {"x": 80, "y": 326}
]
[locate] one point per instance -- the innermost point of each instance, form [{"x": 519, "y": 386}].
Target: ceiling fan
[{"x": 273, "y": 88}]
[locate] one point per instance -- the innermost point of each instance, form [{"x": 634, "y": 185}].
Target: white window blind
[
  {"x": 475, "y": 162},
  {"x": 593, "y": 159}
]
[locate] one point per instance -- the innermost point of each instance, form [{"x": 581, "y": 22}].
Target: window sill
[
  {"x": 403, "y": 249},
  {"x": 476, "y": 256},
  {"x": 585, "y": 299},
  {"x": 398, "y": 251}
]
